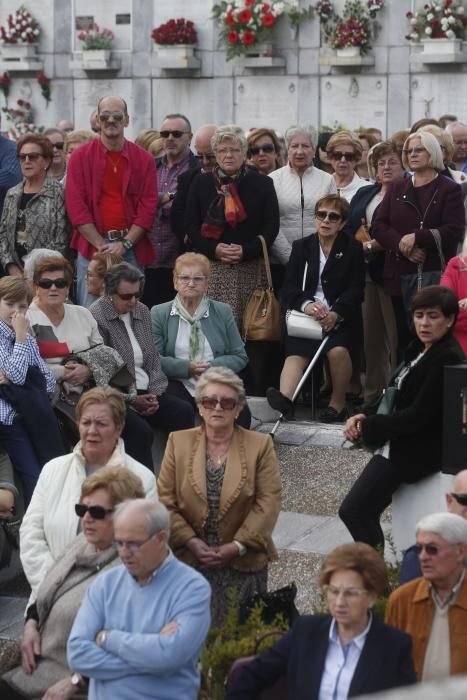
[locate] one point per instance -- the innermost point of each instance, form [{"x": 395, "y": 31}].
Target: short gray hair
[
  {"x": 229, "y": 132},
  {"x": 431, "y": 144},
  {"x": 156, "y": 515},
  {"x": 221, "y": 375},
  {"x": 451, "y": 527},
  {"x": 123, "y": 272},
  {"x": 297, "y": 130}
]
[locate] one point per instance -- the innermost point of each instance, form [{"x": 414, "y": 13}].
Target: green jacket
[{"x": 218, "y": 326}]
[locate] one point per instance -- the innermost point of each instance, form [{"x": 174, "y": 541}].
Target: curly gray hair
[
  {"x": 229, "y": 132},
  {"x": 221, "y": 375},
  {"x": 298, "y": 130}
]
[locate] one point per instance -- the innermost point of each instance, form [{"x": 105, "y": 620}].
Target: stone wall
[{"x": 390, "y": 94}]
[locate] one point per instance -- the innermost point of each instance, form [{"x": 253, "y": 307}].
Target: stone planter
[
  {"x": 441, "y": 46},
  {"x": 176, "y": 56},
  {"x": 348, "y": 52},
  {"x": 96, "y": 59},
  {"x": 260, "y": 50},
  {"x": 18, "y": 52}
]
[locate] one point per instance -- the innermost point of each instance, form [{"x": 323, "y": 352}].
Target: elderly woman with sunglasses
[
  {"x": 222, "y": 485},
  {"x": 44, "y": 670},
  {"x": 34, "y": 210},
  {"x": 344, "y": 152},
  {"x": 324, "y": 279},
  {"x": 264, "y": 150},
  {"x": 341, "y": 654}
]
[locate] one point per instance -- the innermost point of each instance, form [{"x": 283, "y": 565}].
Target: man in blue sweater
[
  {"x": 140, "y": 628},
  {"x": 10, "y": 172}
]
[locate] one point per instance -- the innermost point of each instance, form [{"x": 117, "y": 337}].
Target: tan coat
[
  {"x": 411, "y": 609},
  {"x": 250, "y": 498}
]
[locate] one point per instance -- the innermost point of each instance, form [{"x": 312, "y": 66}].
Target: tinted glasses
[
  {"x": 255, "y": 150},
  {"x": 96, "y": 512},
  {"x": 46, "y": 283},
  {"x": 461, "y": 498},
  {"x": 59, "y": 145},
  {"x": 205, "y": 156},
  {"x": 29, "y": 156},
  {"x": 338, "y": 155},
  {"x": 432, "y": 549},
  {"x": 211, "y": 402},
  {"x": 116, "y": 116},
  {"x": 331, "y": 216},
  {"x": 129, "y": 296},
  {"x": 175, "y": 133}
]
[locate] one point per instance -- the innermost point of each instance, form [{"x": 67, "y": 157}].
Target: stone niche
[
  {"x": 354, "y": 101},
  {"x": 116, "y": 16},
  {"x": 262, "y": 101},
  {"x": 435, "y": 94}
]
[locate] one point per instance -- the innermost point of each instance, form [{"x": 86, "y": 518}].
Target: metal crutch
[{"x": 301, "y": 382}]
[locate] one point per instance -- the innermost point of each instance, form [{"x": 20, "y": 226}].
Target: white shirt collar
[{"x": 359, "y": 640}]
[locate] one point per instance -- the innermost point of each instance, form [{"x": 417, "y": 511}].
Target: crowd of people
[{"x": 126, "y": 270}]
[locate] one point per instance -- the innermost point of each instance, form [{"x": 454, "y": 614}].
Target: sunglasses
[
  {"x": 211, "y": 402},
  {"x": 175, "y": 133},
  {"x": 331, "y": 216},
  {"x": 45, "y": 283},
  {"x": 268, "y": 148},
  {"x": 431, "y": 549},
  {"x": 29, "y": 156},
  {"x": 58, "y": 146},
  {"x": 338, "y": 155},
  {"x": 461, "y": 498},
  {"x": 205, "y": 156},
  {"x": 116, "y": 116},
  {"x": 96, "y": 512},
  {"x": 129, "y": 296}
]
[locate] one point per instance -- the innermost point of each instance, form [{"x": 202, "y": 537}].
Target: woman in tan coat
[{"x": 222, "y": 485}]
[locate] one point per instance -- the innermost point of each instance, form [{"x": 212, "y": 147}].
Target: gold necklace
[{"x": 115, "y": 164}]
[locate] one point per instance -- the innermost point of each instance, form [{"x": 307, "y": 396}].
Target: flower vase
[
  {"x": 348, "y": 52},
  {"x": 263, "y": 49},
  {"x": 96, "y": 59},
  {"x": 18, "y": 52},
  {"x": 174, "y": 55},
  {"x": 441, "y": 46}
]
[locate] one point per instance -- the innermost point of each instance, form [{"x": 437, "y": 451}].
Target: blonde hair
[
  {"x": 103, "y": 394},
  {"x": 229, "y": 132},
  {"x": 221, "y": 375},
  {"x": 192, "y": 259},
  {"x": 344, "y": 138},
  {"x": 120, "y": 482},
  {"x": 430, "y": 143}
]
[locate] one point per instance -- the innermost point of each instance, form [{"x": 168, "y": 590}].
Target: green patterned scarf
[{"x": 197, "y": 337}]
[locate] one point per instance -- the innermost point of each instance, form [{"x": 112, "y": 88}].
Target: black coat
[
  {"x": 358, "y": 205},
  {"x": 342, "y": 279},
  {"x": 260, "y": 202},
  {"x": 415, "y": 428},
  {"x": 385, "y": 662},
  {"x": 177, "y": 210}
]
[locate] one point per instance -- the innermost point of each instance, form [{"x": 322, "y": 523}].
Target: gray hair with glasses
[
  {"x": 298, "y": 130},
  {"x": 451, "y": 527},
  {"x": 430, "y": 144},
  {"x": 221, "y": 375},
  {"x": 156, "y": 515},
  {"x": 123, "y": 272},
  {"x": 229, "y": 132}
]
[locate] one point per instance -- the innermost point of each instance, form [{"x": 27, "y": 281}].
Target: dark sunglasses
[
  {"x": 268, "y": 148},
  {"x": 461, "y": 498},
  {"x": 431, "y": 549},
  {"x": 211, "y": 402},
  {"x": 205, "y": 156},
  {"x": 129, "y": 296},
  {"x": 45, "y": 283},
  {"x": 29, "y": 156},
  {"x": 116, "y": 116},
  {"x": 338, "y": 155},
  {"x": 58, "y": 146},
  {"x": 331, "y": 216},
  {"x": 96, "y": 512},
  {"x": 175, "y": 133}
]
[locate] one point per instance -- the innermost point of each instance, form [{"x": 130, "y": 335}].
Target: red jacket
[
  {"x": 455, "y": 277},
  {"x": 84, "y": 177}
]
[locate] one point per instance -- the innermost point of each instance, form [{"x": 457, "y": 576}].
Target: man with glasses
[
  {"x": 111, "y": 195},
  {"x": 141, "y": 626},
  {"x": 176, "y": 135},
  {"x": 433, "y": 608},
  {"x": 458, "y": 131}
]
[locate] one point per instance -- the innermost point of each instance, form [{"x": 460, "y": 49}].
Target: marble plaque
[
  {"x": 105, "y": 15},
  {"x": 432, "y": 95},
  {"x": 354, "y": 101},
  {"x": 202, "y": 101},
  {"x": 265, "y": 101}
]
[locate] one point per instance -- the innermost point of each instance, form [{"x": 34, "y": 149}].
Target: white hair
[
  {"x": 451, "y": 527},
  {"x": 155, "y": 513},
  {"x": 298, "y": 130}
]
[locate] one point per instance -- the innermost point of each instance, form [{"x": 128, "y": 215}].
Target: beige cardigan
[{"x": 250, "y": 499}]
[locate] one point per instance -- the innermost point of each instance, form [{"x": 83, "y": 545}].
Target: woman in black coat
[
  {"x": 331, "y": 292},
  {"x": 409, "y": 439}
]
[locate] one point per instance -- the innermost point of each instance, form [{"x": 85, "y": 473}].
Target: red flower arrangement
[
  {"x": 175, "y": 31},
  {"x": 22, "y": 28},
  {"x": 5, "y": 82},
  {"x": 45, "y": 85}
]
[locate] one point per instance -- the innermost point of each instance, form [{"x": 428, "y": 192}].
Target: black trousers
[
  {"x": 176, "y": 388},
  {"x": 370, "y": 495},
  {"x": 158, "y": 286},
  {"x": 7, "y": 692},
  {"x": 404, "y": 333}
]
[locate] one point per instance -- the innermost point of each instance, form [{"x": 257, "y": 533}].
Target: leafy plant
[{"x": 93, "y": 37}]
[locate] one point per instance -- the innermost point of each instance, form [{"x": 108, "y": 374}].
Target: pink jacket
[
  {"x": 84, "y": 177},
  {"x": 455, "y": 277}
]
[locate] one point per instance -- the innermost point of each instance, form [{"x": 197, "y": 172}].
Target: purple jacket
[{"x": 398, "y": 214}]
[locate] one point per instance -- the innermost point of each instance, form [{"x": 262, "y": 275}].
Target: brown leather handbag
[
  {"x": 363, "y": 234},
  {"x": 263, "y": 317}
]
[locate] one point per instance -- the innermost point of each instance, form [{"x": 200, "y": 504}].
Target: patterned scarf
[
  {"x": 227, "y": 207},
  {"x": 197, "y": 337}
]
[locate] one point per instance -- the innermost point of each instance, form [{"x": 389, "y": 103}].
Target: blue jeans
[
  {"x": 82, "y": 264},
  {"x": 16, "y": 442}
]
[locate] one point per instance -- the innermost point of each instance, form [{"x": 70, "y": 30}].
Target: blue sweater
[
  {"x": 136, "y": 662},
  {"x": 10, "y": 172}
]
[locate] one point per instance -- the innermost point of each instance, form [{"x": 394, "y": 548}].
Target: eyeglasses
[
  {"x": 413, "y": 151},
  {"x": 205, "y": 156},
  {"x": 96, "y": 512},
  {"x": 29, "y": 156},
  {"x": 347, "y": 593},
  {"x": 176, "y": 133},
  {"x": 431, "y": 549},
  {"x": 129, "y": 296},
  {"x": 331, "y": 216},
  {"x": 225, "y": 151},
  {"x": 460, "y": 142},
  {"x": 461, "y": 498},
  {"x": 46, "y": 283},
  {"x": 338, "y": 155},
  {"x": 184, "y": 279},
  {"x": 212, "y": 402},
  {"x": 268, "y": 148},
  {"x": 390, "y": 163},
  {"x": 132, "y": 546},
  {"x": 59, "y": 145},
  {"x": 116, "y": 116}
]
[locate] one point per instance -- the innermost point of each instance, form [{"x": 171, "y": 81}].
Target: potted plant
[
  {"x": 350, "y": 34},
  {"x": 97, "y": 46},
  {"x": 175, "y": 41},
  {"x": 440, "y": 26},
  {"x": 20, "y": 37},
  {"x": 246, "y": 26}
]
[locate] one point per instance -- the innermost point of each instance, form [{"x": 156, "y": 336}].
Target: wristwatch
[
  {"x": 101, "y": 638},
  {"x": 77, "y": 679},
  {"x": 127, "y": 243}
]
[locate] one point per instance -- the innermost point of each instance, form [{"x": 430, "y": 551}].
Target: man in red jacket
[{"x": 111, "y": 195}]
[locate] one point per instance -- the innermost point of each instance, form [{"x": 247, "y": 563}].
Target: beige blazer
[{"x": 250, "y": 498}]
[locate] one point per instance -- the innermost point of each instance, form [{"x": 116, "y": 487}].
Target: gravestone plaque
[
  {"x": 432, "y": 95},
  {"x": 354, "y": 101},
  {"x": 265, "y": 101}
]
